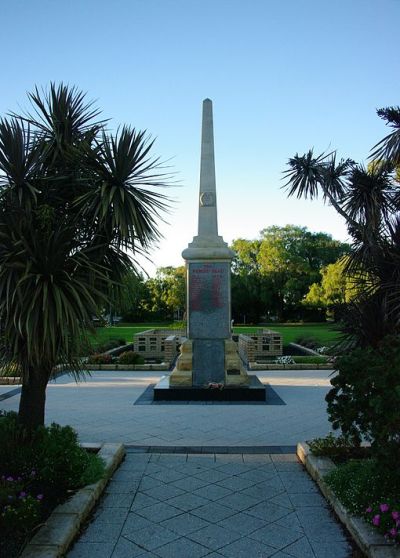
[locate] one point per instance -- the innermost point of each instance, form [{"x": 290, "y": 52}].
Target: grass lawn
[{"x": 324, "y": 333}]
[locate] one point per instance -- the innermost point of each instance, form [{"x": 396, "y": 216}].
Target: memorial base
[{"x": 254, "y": 391}]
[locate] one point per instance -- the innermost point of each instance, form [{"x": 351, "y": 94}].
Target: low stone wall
[
  {"x": 259, "y": 345},
  {"x": 162, "y": 344}
]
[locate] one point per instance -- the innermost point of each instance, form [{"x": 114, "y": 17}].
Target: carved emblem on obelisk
[{"x": 207, "y": 199}]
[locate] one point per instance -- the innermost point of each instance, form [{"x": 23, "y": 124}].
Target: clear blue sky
[{"x": 284, "y": 76}]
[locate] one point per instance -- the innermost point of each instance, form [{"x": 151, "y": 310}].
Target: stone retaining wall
[{"x": 162, "y": 344}]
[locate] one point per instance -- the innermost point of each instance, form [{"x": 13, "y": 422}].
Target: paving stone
[
  {"x": 300, "y": 549},
  {"x": 236, "y": 483},
  {"x": 187, "y": 502},
  {"x": 167, "y": 475},
  {"x": 202, "y": 459},
  {"x": 242, "y": 523},
  {"x": 182, "y": 548},
  {"x": 329, "y": 550},
  {"x": 211, "y": 476},
  {"x": 263, "y": 491},
  {"x": 122, "y": 487},
  {"x": 117, "y": 500},
  {"x": 212, "y": 492},
  {"x": 127, "y": 476},
  {"x": 184, "y": 524},
  {"x": 127, "y": 549},
  {"x": 324, "y": 531},
  {"x": 308, "y": 500},
  {"x": 214, "y": 536},
  {"x": 221, "y": 458},
  {"x": 267, "y": 511},
  {"x": 239, "y": 501},
  {"x": 141, "y": 501},
  {"x": 275, "y": 535},
  {"x": 164, "y": 492},
  {"x": 191, "y": 469},
  {"x": 149, "y": 482},
  {"x": 282, "y": 500},
  {"x": 261, "y": 474},
  {"x": 245, "y": 547},
  {"x": 158, "y": 512},
  {"x": 110, "y": 515},
  {"x": 213, "y": 512},
  {"x": 291, "y": 521},
  {"x": 189, "y": 484},
  {"x": 152, "y": 536},
  {"x": 234, "y": 468},
  {"x": 98, "y": 532},
  {"x": 134, "y": 522},
  {"x": 88, "y": 550}
]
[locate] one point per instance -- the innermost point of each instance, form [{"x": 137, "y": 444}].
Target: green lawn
[{"x": 324, "y": 333}]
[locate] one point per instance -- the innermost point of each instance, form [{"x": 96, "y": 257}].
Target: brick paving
[{"x": 216, "y": 505}]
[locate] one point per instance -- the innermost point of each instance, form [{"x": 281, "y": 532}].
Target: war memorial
[{"x": 209, "y": 366}]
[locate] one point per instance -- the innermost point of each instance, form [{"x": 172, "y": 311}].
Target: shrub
[
  {"x": 360, "y": 484},
  {"x": 53, "y": 453},
  {"x": 310, "y": 359},
  {"x": 337, "y": 448},
  {"x": 130, "y": 357},
  {"x": 365, "y": 399},
  {"x": 19, "y": 509},
  {"x": 102, "y": 358},
  {"x": 284, "y": 360}
]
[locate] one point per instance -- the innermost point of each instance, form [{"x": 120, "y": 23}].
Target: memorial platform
[{"x": 254, "y": 391}]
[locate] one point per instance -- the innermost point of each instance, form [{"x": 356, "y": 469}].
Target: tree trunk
[{"x": 33, "y": 397}]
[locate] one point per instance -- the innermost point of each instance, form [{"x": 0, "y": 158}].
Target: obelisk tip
[{"x": 207, "y": 100}]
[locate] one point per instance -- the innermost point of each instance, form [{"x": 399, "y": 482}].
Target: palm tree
[
  {"x": 76, "y": 205},
  {"x": 369, "y": 201}
]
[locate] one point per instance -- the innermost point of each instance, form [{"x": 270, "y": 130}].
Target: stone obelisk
[{"x": 208, "y": 260}]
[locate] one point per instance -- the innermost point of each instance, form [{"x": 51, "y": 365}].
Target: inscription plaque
[{"x": 209, "y": 304}]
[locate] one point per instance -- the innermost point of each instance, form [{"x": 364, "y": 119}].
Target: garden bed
[
  {"x": 55, "y": 536},
  {"x": 368, "y": 539}
]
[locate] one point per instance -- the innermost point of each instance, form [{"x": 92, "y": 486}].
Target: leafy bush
[
  {"x": 19, "y": 509},
  {"x": 37, "y": 471},
  {"x": 103, "y": 358},
  {"x": 337, "y": 448},
  {"x": 53, "y": 452},
  {"x": 360, "y": 484},
  {"x": 365, "y": 399},
  {"x": 130, "y": 357}
]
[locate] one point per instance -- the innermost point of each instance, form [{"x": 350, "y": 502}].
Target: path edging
[
  {"x": 53, "y": 539},
  {"x": 372, "y": 543}
]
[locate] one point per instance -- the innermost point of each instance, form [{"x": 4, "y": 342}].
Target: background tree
[
  {"x": 336, "y": 288},
  {"x": 271, "y": 275},
  {"x": 74, "y": 200}
]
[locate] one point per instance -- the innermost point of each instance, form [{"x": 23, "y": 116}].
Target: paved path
[
  {"x": 102, "y": 410},
  {"x": 190, "y": 506}
]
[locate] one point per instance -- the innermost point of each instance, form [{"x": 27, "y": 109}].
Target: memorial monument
[{"x": 209, "y": 366}]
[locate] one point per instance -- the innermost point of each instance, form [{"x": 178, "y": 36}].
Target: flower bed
[{"x": 370, "y": 533}]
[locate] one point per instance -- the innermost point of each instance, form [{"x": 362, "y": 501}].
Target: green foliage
[
  {"x": 75, "y": 202},
  {"x": 364, "y": 401},
  {"x": 337, "y": 448},
  {"x": 19, "y": 509},
  {"x": 361, "y": 483},
  {"x": 100, "y": 358},
  {"x": 53, "y": 452},
  {"x": 130, "y": 357},
  {"x": 272, "y": 275},
  {"x": 310, "y": 359}
]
